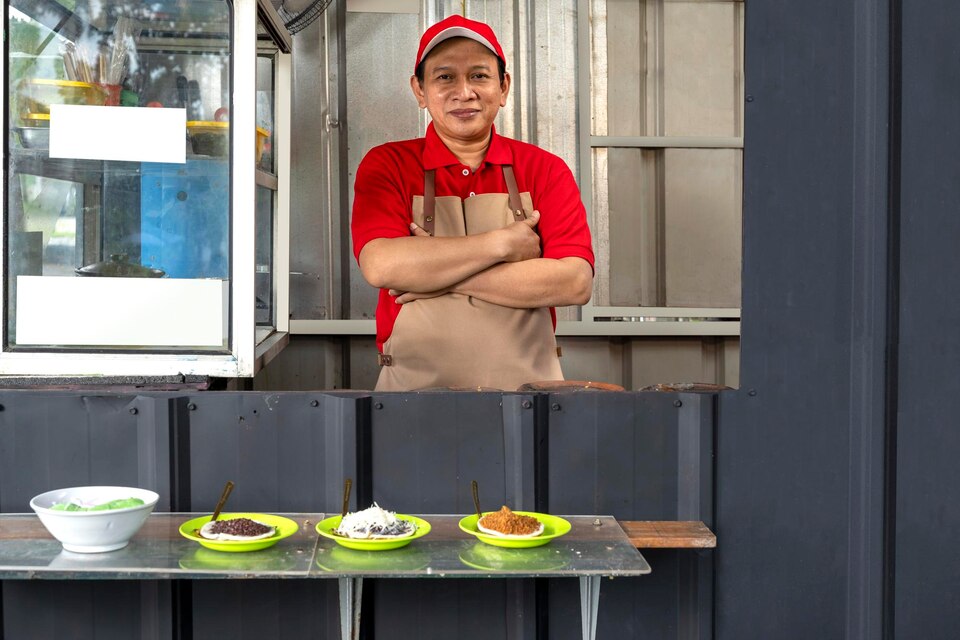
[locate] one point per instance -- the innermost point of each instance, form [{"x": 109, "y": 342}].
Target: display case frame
[{"x": 247, "y": 348}]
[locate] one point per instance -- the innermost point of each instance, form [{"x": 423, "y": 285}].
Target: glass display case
[{"x": 145, "y": 177}]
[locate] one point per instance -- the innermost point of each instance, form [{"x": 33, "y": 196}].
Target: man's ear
[
  {"x": 417, "y": 89},
  {"x": 504, "y": 89}
]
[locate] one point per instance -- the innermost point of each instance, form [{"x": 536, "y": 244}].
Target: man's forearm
[
  {"x": 542, "y": 282},
  {"x": 424, "y": 263}
]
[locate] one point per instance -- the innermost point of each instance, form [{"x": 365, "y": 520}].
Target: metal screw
[
  {"x": 181, "y": 195},
  {"x": 133, "y": 411},
  {"x": 192, "y": 407},
  {"x": 749, "y": 98},
  {"x": 555, "y": 406},
  {"x": 378, "y": 405},
  {"x": 314, "y": 403},
  {"x": 526, "y": 404},
  {"x": 752, "y": 392},
  {"x": 677, "y": 403}
]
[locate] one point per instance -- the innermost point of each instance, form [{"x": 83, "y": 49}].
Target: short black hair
[{"x": 501, "y": 68}]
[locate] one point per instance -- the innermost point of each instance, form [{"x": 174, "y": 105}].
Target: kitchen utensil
[
  {"x": 348, "y": 483},
  {"x": 476, "y": 498},
  {"x": 227, "y": 488},
  {"x": 118, "y": 266}
]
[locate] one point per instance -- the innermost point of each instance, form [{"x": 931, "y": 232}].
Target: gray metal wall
[
  {"x": 632, "y": 455},
  {"x": 926, "y": 601},
  {"x": 837, "y": 479}
]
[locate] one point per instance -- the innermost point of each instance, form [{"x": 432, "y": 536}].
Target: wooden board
[{"x": 669, "y": 534}]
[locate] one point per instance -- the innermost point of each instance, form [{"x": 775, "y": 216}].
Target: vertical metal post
[
  {"x": 589, "y": 605},
  {"x": 351, "y": 592}
]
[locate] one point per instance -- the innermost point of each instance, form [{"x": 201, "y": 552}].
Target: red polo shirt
[{"x": 390, "y": 176}]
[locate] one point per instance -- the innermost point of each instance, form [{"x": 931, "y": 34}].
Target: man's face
[{"x": 461, "y": 90}]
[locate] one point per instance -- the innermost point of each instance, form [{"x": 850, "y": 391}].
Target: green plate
[
  {"x": 395, "y": 560},
  {"x": 490, "y": 558},
  {"x": 199, "y": 559},
  {"x": 285, "y": 528},
  {"x": 553, "y": 527},
  {"x": 326, "y": 527}
]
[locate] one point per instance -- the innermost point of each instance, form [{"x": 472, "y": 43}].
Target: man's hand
[
  {"x": 521, "y": 241},
  {"x": 417, "y": 230},
  {"x": 403, "y": 297},
  {"x": 422, "y": 263}
]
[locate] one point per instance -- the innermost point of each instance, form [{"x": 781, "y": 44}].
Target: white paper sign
[
  {"x": 136, "y": 134},
  {"x": 121, "y": 312}
]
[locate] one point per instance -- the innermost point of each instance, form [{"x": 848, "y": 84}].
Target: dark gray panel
[
  {"x": 49, "y": 441},
  {"x": 94, "y": 610},
  {"x": 52, "y": 440},
  {"x": 642, "y": 608},
  {"x": 616, "y": 454},
  {"x": 426, "y": 448},
  {"x": 800, "y": 466},
  {"x": 927, "y": 600},
  {"x": 637, "y": 456},
  {"x": 265, "y": 609},
  {"x": 443, "y": 609},
  {"x": 284, "y": 452}
]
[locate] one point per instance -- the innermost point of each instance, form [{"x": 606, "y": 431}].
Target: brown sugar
[{"x": 509, "y": 523}]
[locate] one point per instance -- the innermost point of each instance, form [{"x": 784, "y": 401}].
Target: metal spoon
[
  {"x": 227, "y": 488},
  {"x": 348, "y": 483},
  {"x": 476, "y": 498}
]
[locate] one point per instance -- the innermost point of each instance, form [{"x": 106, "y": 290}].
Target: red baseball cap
[{"x": 456, "y": 26}]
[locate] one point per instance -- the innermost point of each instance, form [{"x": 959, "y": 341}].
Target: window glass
[
  {"x": 668, "y": 227},
  {"x": 668, "y": 68},
  {"x": 263, "y": 281},
  {"x": 117, "y": 176}
]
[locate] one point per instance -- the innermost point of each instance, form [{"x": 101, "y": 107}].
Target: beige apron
[{"x": 460, "y": 341}]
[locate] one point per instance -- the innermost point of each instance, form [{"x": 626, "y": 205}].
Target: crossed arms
[{"x": 501, "y": 266}]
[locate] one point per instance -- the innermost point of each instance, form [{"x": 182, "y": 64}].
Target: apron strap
[
  {"x": 429, "y": 200},
  {"x": 515, "y": 206}
]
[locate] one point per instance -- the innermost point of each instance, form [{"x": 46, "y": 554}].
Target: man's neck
[{"x": 469, "y": 153}]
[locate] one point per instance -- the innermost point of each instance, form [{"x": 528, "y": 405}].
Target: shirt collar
[{"x": 436, "y": 154}]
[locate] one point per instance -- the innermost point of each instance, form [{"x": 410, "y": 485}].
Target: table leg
[
  {"x": 351, "y": 592},
  {"x": 589, "y": 605}
]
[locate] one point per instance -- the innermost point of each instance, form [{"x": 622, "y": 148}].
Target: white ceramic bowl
[{"x": 93, "y": 531}]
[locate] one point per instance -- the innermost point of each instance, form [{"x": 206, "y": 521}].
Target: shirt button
[
  {"x": 472, "y": 194},
  {"x": 466, "y": 172}
]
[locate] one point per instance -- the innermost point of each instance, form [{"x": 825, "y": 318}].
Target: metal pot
[{"x": 118, "y": 266}]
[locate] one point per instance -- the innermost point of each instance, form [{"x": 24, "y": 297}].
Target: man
[{"x": 471, "y": 237}]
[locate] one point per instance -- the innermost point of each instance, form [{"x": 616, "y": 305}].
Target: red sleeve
[
  {"x": 563, "y": 218},
  {"x": 381, "y": 205}
]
